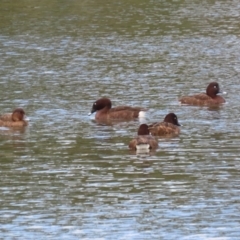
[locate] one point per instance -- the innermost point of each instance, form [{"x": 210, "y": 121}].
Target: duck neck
[{"x": 105, "y": 109}]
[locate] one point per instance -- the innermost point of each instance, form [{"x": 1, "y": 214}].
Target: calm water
[{"x": 67, "y": 177}]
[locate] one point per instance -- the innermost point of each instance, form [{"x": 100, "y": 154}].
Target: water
[{"x": 67, "y": 177}]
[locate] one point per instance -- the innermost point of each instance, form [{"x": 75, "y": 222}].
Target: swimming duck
[
  {"x": 143, "y": 141},
  {"x": 104, "y": 111},
  {"x": 208, "y": 98},
  {"x": 169, "y": 126},
  {"x": 14, "y": 119}
]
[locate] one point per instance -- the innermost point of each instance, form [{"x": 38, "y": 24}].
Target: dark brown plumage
[
  {"x": 169, "y": 126},
  {"x": 143, "y": 140},
  {"x": 104, "y": 111},
  {"x": 208, "y": 98},
  {"x": 14, "y": 119}
]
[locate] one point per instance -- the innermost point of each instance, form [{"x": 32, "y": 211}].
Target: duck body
[
  {"x": 14, "y": 119},
  {"x": 208, "y": 98},
  {"x": 143, "y": 141},
  {"x": 104, "y": 111},
  {"x": 169, "y": 126}
]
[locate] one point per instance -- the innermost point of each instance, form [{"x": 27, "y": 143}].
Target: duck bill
[
  {"x": 222, "y": 92},
  {"x": 92, "y": 111}
]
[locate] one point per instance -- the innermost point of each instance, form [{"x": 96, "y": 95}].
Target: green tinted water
[{"x": 67, "y": 177}]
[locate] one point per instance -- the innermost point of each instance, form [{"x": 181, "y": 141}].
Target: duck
[
  {"x": 144, "y": 141},
  {"x": 105, "y": 112},
  {"x": 169, "y": 126},
  {"x": 211, "y": 96},
  {"x": 14, "y": 119}
]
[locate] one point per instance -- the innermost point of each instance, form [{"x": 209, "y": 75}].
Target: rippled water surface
[{"x": 67, "y": 177}]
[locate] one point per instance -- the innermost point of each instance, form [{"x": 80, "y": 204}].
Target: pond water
[{"x": 67, "y": 177}]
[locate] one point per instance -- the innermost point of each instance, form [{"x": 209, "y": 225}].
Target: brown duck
[
  {"x": 104, "y": 111},
  {"x": 143, "y": 141},
  {"x": 208, "y": 98},
  {"x": 169, "y": 126},
  {"x": 14, "y": 119}
]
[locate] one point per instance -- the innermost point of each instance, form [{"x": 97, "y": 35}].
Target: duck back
[
  {"x": 22, "y": 123},
  {"x": 163, "y": 128}
]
